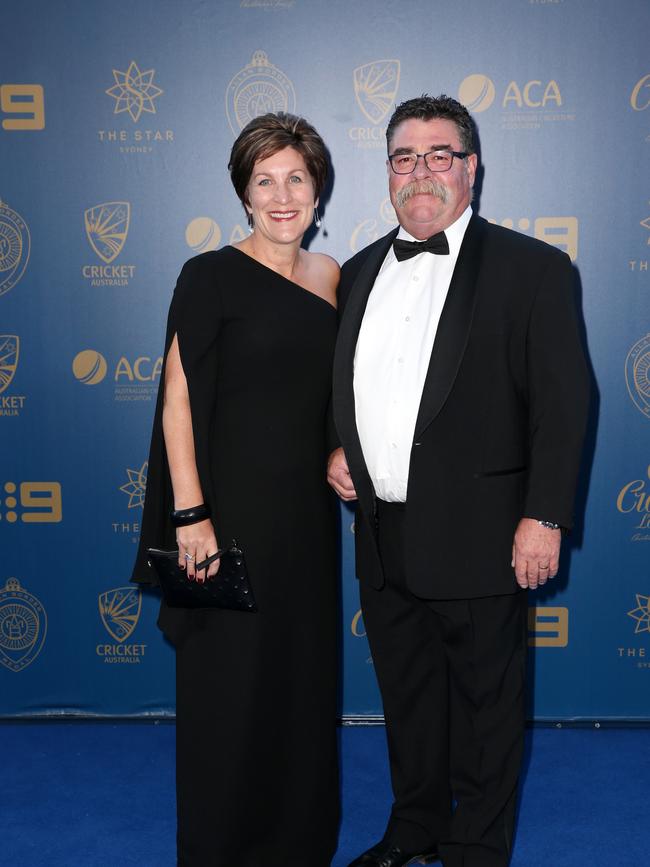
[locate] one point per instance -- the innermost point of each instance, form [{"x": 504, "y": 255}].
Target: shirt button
[
  {"x": 400, "y": 360},
  {"x": 394, "y": 445},
  {"x": 407, "y": 319},
  {"x": 415, "y": 278}
]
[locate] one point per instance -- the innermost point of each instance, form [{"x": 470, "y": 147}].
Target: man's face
[{"x": 438, "y": 198}]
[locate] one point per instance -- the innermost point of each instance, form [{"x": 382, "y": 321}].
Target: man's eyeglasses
[{"x": 435, "y": 161}]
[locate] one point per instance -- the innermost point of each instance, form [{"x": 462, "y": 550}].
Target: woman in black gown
[{"x": 240, "y": 427}]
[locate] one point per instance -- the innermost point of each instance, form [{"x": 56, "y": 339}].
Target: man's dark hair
[{"x": 427, "y": 107}]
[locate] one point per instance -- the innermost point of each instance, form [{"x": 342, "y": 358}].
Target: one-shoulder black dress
[{"x": 257, "y": 782}]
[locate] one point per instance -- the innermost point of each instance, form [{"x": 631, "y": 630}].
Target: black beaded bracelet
[{"x": 185, "y": 517}]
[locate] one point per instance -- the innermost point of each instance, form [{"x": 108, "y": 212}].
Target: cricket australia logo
[
  {"x": 107, "y": 226},
  {"x": 120, "y": 611},
  {"x": 9, "y": 349},
  {"x": 375, "y": 88}
]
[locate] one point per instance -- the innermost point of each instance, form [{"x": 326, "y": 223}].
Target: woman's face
[{"x": 281, "y": 197}]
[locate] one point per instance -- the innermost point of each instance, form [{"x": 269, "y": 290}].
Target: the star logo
[
  {"x": 646, "y": 225},
  {"x": 641, "y": 613},
  {"x": 134, "y": 91},
  {"x": 136, "y": 486}
]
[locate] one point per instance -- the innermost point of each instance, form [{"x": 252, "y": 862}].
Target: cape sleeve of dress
[{"x": 195, "y": 316}]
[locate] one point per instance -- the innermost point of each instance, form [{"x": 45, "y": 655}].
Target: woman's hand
[{"x": 198, "y": 541}]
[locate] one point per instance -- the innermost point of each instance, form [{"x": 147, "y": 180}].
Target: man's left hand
[{"x": 535, "y": 553}]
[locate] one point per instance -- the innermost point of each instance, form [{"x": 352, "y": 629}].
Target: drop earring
[
  {"x": 317, "y": 220},
  {"x": 251, "y": 222}
]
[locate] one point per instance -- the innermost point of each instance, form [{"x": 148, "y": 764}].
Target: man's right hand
[{"x": 338, "y": 475}]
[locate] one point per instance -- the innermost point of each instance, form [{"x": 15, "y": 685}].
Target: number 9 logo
[{"x": 26, "y": 100}]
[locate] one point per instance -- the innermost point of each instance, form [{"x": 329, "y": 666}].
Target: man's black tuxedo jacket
[{"x": 501, "y": 419}]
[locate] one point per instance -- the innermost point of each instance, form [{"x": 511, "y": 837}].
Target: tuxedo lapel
[{"x": 453, "y": 329}]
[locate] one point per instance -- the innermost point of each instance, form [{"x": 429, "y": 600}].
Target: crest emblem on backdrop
[
  {"x": 15, "y": 245},
  {"x": 9, "y": 352},
  {"x": 134, "y": 91},
  {"x": 375, "y": 88},
  {"x": 107, "y": 226},
  {"x": 637, "y": 374},
  {"x": 256, "y": 89},
  {"x": 23, "y": 626},
  {"x": 120, "y": 611}
]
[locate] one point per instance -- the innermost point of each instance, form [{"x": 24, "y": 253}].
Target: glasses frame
[{"x": 461, "y": 155}]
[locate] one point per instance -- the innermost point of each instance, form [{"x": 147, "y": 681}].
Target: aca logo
[
  {"x": 476, "y": 92},
  {"x": 23, "y": 626},
  {"x": 375, "y": 88},
  {"x": 89, "y": 367},
  {"x": 634, "y": 500},
  {"x": 637, "y": 375},
  {"x": 202, "y": 233},
  {"x": 10, "y": 404},
  {"x": 561, "y": 232},
  {"x": 135, "y": 490},
  {"x": 15, "y": 244},
  {"x": 107, "y": 228},
  {"x": 26, "y": 102},
  {"x": 548, "y": 626},
  {"x": 135, "y": 379},
  {"x": 119, "y": 610},
  {"x": 357, "y": 627},
  {"x": 525, "y": 105},
  {"x": 640, "y": 96},
  {"x": 368, "y": 230},
  {"x": 256, "y": 89},
  {"x": 135, "y": 95}
]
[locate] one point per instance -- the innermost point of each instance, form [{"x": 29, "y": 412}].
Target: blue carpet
[{"x": 101, "y": 795}]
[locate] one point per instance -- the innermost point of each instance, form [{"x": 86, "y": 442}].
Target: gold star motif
[
  {"x": 136, "y": 486},
  {"x": 134, "y": 91},
  {"x": 641, "y": 614}
]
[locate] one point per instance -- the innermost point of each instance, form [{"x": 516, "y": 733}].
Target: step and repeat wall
[{"x": 116, "y": 121}]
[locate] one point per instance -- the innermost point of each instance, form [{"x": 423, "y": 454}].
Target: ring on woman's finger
[
  {"x": 189, "y": 556},
  {"x": 544, "y": 567}
]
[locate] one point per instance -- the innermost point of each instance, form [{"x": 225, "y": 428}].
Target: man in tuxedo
[{"x": 460, "y": 400}]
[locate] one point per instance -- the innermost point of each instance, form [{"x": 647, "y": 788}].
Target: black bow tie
[{"x": 435, "y": 244}]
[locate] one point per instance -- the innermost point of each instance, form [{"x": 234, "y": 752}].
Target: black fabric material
[
  {"x": 451, "y": 674},
  {"x": 256, "y": 693},
  {"x": 501, "y": 420}
]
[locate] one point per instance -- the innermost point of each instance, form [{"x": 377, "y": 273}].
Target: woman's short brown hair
[{"x": 266, "y": 135}]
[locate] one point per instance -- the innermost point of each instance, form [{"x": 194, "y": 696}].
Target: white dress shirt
[{"x": 392, "y": 357}]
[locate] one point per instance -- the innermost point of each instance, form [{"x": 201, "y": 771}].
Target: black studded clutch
[{"x": 229, "y": 588}]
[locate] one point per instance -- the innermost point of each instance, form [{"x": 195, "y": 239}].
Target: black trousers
[{"x": 451, "y": 675}]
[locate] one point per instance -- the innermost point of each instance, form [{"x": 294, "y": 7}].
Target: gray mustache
[{"x": 415, "y": 188}]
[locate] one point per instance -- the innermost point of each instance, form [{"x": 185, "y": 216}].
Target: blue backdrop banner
[{"x": 116, "y": 121}]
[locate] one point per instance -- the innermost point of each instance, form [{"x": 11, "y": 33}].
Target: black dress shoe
[{"x": 386, "y": 855}]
